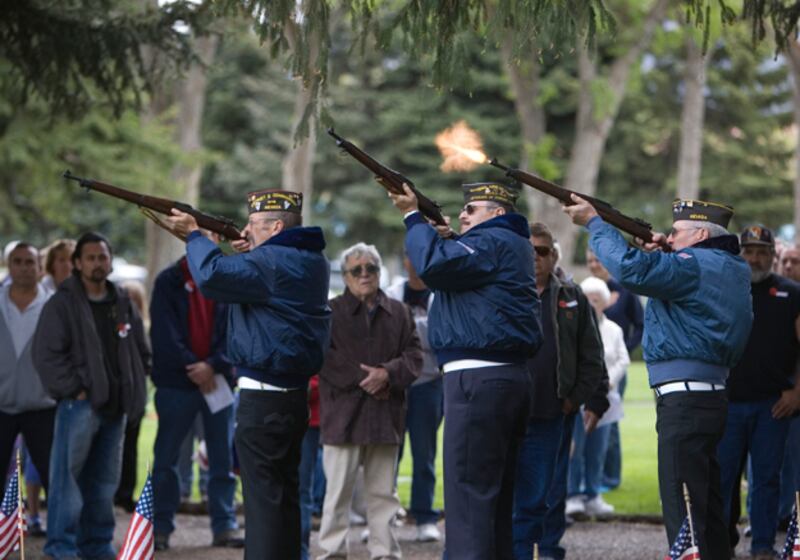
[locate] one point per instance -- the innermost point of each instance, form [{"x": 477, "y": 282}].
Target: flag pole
[
  {"x": 689, "y": 512},
  {"x": 797, "y": 508},
  {"x": 20, "y": 509}
]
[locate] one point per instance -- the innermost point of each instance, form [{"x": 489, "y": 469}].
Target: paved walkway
[{"x": 584, "y": 541}]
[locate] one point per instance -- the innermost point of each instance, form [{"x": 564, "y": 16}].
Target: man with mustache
[
  {"x": 763, "y": 393},
  {"x": 92, "y": 356}
]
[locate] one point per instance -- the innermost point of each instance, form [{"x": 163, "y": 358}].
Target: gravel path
[{"x": 584, "y": 541}]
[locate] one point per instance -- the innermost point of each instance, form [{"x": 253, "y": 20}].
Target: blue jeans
[
  {"x": 790, "y": 471},
  {"x": 588, "y": 455},
  {"x": 612, "y": 466},
  {"x": 555, "y": 521},
  {"x": 85, "y": 464},
  {"x": 308, "y": 463},
  {"x": 186, "y": 462},
  {"x": 424, "y": 416},
  {"x": 536, "y": 467},
  {"x": 177, "y": 409},
  {"x": 751, "y": 427}
]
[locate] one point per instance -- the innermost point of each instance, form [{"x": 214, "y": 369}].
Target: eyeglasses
[
  {"x": 675, "y": 231},
  {"x": 542, "y": 251},
  {"x": 357, "y": 271},
  {"x": 470, "y": 209}
]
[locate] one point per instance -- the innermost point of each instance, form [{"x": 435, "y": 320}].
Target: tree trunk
[
  {"x": 525, "y": 79},
  {"x": 692, "y": 117},
  {"x": 793, "y": 54},
  {"x": 594, "y": 123},
  {"x": 162, "y": 247},
  {"x": 298, "y": 163}
]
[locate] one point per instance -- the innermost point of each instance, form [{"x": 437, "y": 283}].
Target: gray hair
[
  {"x": 360, "y": 250},
  {"x": 714, "y": 230}
]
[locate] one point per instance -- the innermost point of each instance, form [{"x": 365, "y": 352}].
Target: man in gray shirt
[{"x": 25, "y": 408}]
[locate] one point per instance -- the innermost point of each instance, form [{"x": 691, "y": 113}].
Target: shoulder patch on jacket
[{"x": 684, "y": 255}]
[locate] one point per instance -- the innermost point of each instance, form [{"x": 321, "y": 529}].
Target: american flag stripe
[
  {"x": 138, "y": 543},
  {"x": 136, "y": 537},
  {"x": 11, "y": 518}
]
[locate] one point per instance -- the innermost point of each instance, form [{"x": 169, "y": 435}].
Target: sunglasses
[
  {"x": 357, "y": 271},
  {"x": 543, "y": 251},
  {"x": 470, "y": 209}
]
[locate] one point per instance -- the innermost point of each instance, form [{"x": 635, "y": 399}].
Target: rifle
[
  {"x": 151, "y": 204},
  {"x": 634, "y": 226},
  {"x": 391, "y": 180}
]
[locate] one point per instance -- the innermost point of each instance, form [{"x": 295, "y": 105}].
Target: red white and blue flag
[
  {"x": 683, "y": 548},
  {"x": 12, "y": 518},
  {"x": 791, "y": 550},
  {"x": 138, "y": 543}
]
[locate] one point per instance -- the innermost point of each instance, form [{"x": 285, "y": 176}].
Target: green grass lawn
[{"x": 638, "y": 493}]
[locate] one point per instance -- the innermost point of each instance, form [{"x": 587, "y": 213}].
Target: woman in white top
[{"x": 586, "y": 463}]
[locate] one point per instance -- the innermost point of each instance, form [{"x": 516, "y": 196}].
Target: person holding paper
[{"x": 191, "y": 375}]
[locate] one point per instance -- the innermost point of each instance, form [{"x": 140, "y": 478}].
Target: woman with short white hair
[{"x": 588, "y": 457}]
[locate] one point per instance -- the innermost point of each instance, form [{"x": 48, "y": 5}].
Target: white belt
[
  {"x": 456, "y": 365},
  {"x": 252, "y": 384},
  {"x": 676, "y": 386}
]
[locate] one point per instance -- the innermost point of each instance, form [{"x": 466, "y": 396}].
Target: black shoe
[
  {"x": 161, "y": 542},
  {"x": 125, "y": 503},
  {"x": 35, "y": 529},
  {"x": 228, "y": 539}
]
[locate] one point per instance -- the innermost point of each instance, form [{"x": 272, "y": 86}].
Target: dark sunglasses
[
  {"x": 543, "y": 251},
  {"x": 357, "y": 271},
  {"x": 470, "y": 209}
]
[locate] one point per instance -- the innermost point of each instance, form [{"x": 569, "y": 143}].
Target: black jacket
[
  {"x": 582, "y": 376},
  {"x": 68, "y": 355}
]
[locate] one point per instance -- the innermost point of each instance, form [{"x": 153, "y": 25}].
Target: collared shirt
[{"x": 22, "y": 324}]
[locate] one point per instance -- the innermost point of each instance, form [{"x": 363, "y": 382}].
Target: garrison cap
[
  {"x": 491, "y": 192},
  {"x": 701, "y": 211},
  {"x": 757, "y": 235},
  {"x": 274, "y": 201}
]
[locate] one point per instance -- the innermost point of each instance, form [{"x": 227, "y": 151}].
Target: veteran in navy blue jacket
[
  {"x": 696, "y": 328},
  {"x": 278, "y": 329},
  {"x": 484, "y": 324}
]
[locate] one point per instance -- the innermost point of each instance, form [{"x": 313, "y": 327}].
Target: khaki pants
[{"x": 341, "y": 464}]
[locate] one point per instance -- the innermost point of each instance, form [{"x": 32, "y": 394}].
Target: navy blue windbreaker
[
  {"x": 279, "y": 319},
  {"x": 486, "y": 305},
  {"x": 169, "y": 332}
]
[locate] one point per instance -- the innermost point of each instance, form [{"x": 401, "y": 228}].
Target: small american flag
[
  {"x": 683, "y": 549},
  {"x": 12, "y": 518},
  {"x": 791, "y": 550},
  {"x": 138, "y": 543}
]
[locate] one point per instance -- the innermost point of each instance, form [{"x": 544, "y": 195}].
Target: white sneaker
[
  {"x": 575, "y": 506},
  {"x": 356, "y": 519},
  {"x": 428, "y": 533},
  {"x": 365, "y": 535},
  {"x": 598, "y": 507}
]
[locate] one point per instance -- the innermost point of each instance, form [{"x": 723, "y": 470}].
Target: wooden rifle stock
[
  {"x": 392, "y": 181},
  {"x": 222, "y": 226},
  {"x": 634, "y": 226}
]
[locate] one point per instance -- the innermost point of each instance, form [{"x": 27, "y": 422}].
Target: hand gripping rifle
[
  {"x": 391, "y": 180},
  {"x": 149, "y": 205},
  {"x": 634, "y": 226}
]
